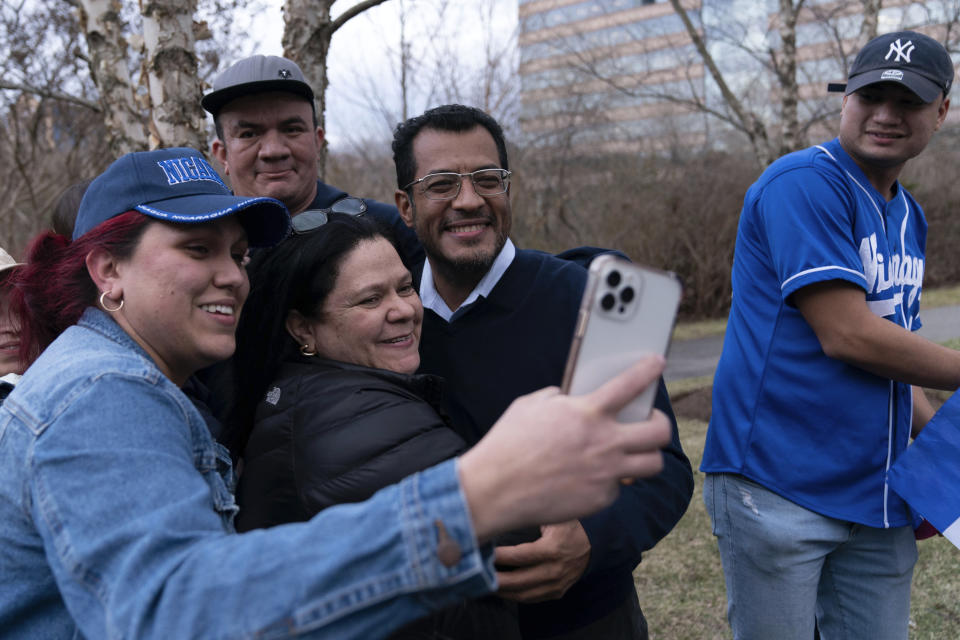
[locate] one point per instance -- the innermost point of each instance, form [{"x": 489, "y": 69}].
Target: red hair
[
  {"x": 50, "y": 292},
  {"x": 6, "y": 277}
]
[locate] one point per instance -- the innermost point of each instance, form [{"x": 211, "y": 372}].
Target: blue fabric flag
[{"x": 927, "y": 475}]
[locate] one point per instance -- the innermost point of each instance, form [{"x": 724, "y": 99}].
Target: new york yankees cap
[
  {"x": 916, "y": 61},
  {"x": 256, "y": 74},
  {"x": 177, "y": 185}
]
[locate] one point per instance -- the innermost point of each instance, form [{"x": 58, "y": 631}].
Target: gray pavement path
[
  {"x": 699, "y": 357},
  {"x": 693, "y": 358}
]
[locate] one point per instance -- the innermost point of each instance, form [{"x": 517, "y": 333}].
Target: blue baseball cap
[{"x": 177, "y": 185}]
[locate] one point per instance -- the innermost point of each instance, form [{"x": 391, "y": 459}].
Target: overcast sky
[{"x": 363, "y": 56}]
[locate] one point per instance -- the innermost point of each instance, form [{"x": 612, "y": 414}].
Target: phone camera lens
[
  {"x": 626, "y": 295},
  {"x": 613, "y": 278},
  {"x": 608, "y": 302}
]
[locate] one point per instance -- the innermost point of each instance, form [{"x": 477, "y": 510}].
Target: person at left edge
[{"x": 11, "y": 364}]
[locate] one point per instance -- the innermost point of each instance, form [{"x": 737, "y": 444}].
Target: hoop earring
[
  {"x": 307, "y": 351},
  {"x": 103, "y": 304}
]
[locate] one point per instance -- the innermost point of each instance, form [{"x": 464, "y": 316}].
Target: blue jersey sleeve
[{"x": 807, "y": 215}]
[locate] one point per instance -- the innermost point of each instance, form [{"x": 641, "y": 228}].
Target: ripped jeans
[{"x": 786, "y": 566}]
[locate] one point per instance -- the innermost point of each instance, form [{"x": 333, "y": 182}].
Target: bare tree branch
[
  {"x": 750, "y": 124},
  {"x": 352, "y": 12},
  {"x": 53, "y": 95}
]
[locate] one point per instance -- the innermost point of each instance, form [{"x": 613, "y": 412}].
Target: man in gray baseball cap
[{"x": 269, "y": 140}]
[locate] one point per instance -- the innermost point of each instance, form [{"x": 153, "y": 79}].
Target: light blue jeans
[{"x": 786, "y": 566}]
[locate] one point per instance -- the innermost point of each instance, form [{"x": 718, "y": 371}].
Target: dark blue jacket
[
  {"x": 386, "y": 214},
  {"x": 514, "y": 342}
]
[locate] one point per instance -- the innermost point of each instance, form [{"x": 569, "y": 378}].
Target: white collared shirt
[{"x": 431, "y": 298}]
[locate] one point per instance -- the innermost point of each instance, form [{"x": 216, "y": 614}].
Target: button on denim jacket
[{"x": 116, "y": 520}]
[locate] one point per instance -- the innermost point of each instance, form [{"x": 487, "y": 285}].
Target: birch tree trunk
[
  {"x": 307, "y": 32},
  {"x": 123, "y": 116},
  {"x": 785, "y": 67},
  {"x": 868, "y": 28},
  {"x": 170, "y": 66}
]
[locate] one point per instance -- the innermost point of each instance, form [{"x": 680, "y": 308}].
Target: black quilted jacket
[{"x": 329, "y": 432}]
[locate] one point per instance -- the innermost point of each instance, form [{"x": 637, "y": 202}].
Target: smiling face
[
  {"x": 182, "y": 290},
  {"x": 373, "y": 315},
  {"x": 9, "y": 338},
  {"x": 270, "y": 147},
  {"x": 463, "y": 236},
  {"x": 883, "y": 125}
]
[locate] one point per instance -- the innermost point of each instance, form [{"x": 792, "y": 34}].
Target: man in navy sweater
[{"x": 498, "y": 323}]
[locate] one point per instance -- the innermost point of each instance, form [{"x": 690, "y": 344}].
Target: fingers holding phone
[
  {"x": 554, "y": 457},
  {"x": 627, "y": 312}
]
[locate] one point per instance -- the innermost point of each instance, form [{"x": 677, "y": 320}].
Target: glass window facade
[{"x": 570, "y": 48}]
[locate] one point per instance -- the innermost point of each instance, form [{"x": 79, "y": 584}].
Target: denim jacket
[{"x": 116, "y": 520}]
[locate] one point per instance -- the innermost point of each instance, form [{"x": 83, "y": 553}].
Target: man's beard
[{"x": 463, "y": 272}]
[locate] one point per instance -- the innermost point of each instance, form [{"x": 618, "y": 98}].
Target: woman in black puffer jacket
[
  {"x": 328, "y": 406},
  {"x": 329, "y": 432}
]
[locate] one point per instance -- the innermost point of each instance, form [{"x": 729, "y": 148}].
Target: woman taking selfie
[{"x": 116, "y": 517}]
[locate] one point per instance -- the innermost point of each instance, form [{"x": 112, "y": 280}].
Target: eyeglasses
[
  {"x": 311, "y": 219},
  {"x": 446, "y": 186}
]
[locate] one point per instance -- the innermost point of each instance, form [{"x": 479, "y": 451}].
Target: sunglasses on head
[{"x": 311, "y": 219}]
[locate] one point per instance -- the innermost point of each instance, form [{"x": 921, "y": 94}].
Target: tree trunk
[
  {"x": 307, "y": 31},
  {"x": 170, "y": 65},
  {"x": 103, "y": 28},
  {"x": 868, "y": 28},
  {"x": 786, "y": 69},
  {"x": 404, "y": 65}
]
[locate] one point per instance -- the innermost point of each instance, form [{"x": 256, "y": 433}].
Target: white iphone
[{"x": 628, "y": 311}]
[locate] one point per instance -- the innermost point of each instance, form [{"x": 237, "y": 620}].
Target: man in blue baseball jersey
[{"x": 814, "y": 396}]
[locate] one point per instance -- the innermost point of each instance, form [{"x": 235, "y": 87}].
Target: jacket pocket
[{"x": 213, "y": 462}]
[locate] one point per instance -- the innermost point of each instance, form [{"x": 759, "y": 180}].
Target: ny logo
[
  {"x": 902, "y": 50},
  {"x": 285, "y": 73}
]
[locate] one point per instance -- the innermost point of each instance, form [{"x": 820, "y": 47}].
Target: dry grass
[
  {"x": 680, "y": 582},
  {"x": 940, "y": 297},
  {"x": 699, "y": 329}
]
